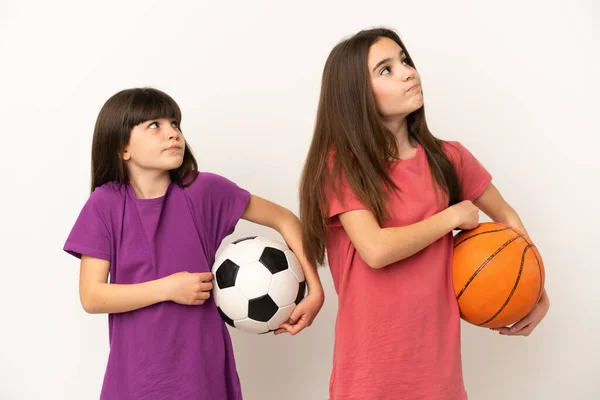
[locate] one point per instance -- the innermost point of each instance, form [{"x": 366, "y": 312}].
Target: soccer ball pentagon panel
[{"x": 257, "y": 284}]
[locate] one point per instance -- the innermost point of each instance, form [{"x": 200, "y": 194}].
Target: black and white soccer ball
[{"x": 257, "y": 284}]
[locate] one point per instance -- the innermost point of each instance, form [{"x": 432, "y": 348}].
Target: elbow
[
  {"x": 372, "y": 250},
  {"x": 88, "y": 306},
  {"x": 375, "y": 263},
  {"x": 372, "y": 258},
  {"x": 510, "y": 217},
  {"x": 284, "y": 220},
  {"x": 504, "y": 214},
  {"x": 88, "y": 303}
]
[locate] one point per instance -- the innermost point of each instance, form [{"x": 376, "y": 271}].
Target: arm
[
  {"x": 494, "y": 206},
  {"x": 97, "y": 296},
  {"x": 379, "y": 247},
  {"x": 264, "y": 212}
]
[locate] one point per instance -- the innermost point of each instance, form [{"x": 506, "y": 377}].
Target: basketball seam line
[
  {"x": 537, "y": 261},
  {"x": 484, "y": 264},
  {"x": 513, "y": 289},
  {"x": 541, "y": 279},
  {"x": 483, "y": 233}
]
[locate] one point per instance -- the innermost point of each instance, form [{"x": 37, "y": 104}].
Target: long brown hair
[
  {"x": 116, "y": 119},
  {"x": 350, "y": 140}
]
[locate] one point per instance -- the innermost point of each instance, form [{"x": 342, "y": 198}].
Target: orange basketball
[{"x": 498, "y": 275}]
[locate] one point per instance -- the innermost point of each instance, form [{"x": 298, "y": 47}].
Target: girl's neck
[
  {"x": 149, "y": 185},
  {"x": 399, "y": 128}
]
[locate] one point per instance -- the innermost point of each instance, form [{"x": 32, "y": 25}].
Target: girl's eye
[
  {"x": 405, "y": 62},
  {"x": 153, "y": 125},
  {"x": 385, "y": 71},
  {"x": 175, "y": 124}
]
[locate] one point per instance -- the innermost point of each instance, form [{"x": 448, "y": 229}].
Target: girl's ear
[{"x": 125, "y": 155}]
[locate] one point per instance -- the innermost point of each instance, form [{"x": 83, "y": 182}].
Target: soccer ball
[{"x": 257, "y": 284}]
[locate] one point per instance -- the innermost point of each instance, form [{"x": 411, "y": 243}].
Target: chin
[
  {"x": 174, "y": 165},
  {"x": 416, "y": 106}
]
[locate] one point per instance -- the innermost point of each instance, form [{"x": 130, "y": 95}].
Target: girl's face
[
  {"x": 396, "y": 85},
  {"x": 156, "y": 145}
]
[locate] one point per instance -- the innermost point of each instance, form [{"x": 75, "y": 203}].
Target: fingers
[
  {"x": 197, "y": 291},
  {"x": 295, "y": 315},
  {"x": 285, "y": 328},
  {"x": 203, "y": 295},
  {"x": 524, "y": 330},
  {"x": 204, "y": 276},
  {"x": 199, "y": 298},
  {"x": 503, "y": 330},
  {"x": 521, "y": 324},
  {"x": 295, "y": 323},
  {"x": 297, "y": 328},
  {"x": 294, "y": 329}
]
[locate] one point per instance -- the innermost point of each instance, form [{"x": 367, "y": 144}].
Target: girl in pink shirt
[{"x": 381, "y": 195}]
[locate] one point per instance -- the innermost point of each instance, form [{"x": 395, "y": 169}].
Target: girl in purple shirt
[{"x": 152, "y": 225}]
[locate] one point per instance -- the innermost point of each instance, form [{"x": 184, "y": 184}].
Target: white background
[{"x": 516, "y": 82}]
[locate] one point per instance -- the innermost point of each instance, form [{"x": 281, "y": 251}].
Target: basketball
[{"x": 498, "y": 275}]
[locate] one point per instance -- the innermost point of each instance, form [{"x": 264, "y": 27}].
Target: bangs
[{"x": 149, "y": 104}]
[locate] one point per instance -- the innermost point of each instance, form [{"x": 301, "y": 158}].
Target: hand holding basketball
[{"x": 525, "y": 326}]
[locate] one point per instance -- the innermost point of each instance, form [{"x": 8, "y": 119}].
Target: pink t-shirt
[{"x": 397, "y": 333}]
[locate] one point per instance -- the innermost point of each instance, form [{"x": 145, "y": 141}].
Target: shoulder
[
  {"x": 456, "y": 151},
  {"x": 102, "y": 205},
  {"x": 209, "y": 182},
  {"x": 211, "y": 187},
  {"x": 452, "y": 148},
  {"x": 108, "y": 194},
  {"x": 107, "y": 197}
]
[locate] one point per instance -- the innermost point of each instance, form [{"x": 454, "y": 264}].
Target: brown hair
[
  {"x": 350, "y": 140},
  {"x": 116, "y": 119}
]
